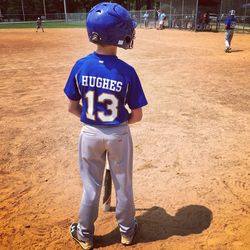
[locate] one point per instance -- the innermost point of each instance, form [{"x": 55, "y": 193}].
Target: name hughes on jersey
[{"x": 103, "y": 83}]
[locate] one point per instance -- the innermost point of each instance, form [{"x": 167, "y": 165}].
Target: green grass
[
  {"x": 45, "y": 25},
  {"x": 62, "y": 24}
]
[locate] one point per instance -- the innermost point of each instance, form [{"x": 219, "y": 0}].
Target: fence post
[
  {"x": 170, "y": 15},
  {"x": 140, "y": 17},
  {"x": 196, "y": 15},
  {"x": 155, "y": 15},
  {"x": 23, "y": 10},
  {"x": 182, "y": 14},
  {"x": 44, "y": 9},
  {"x": 245, "y": 13},
  {"x": 65, "y": 11},
  {"x": 220, "y": 17}
]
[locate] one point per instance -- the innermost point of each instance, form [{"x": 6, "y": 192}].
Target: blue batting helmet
[
  {"x": 111, "y": 24},
  {"x": 232, "y": 12}
]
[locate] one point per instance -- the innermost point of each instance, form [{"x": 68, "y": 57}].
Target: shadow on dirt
[
  {"x": 155, "y": 224},
  {"x": 236, "y": 50}
]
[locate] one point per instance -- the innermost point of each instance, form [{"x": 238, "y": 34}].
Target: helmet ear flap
[
  {"x": 128, "y": 39},
  {"x": 95, "y": 38}
]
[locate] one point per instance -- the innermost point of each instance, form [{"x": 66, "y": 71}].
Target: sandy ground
[{"x": 192, "y": 149}]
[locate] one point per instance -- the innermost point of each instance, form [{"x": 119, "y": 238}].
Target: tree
[{"x": 11, "y": 7}]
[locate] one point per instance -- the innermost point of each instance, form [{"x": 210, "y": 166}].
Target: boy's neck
[{"x": 106, "y": 50}]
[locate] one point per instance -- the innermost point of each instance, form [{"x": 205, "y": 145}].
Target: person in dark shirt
[
  {"x": 229, "y": 27},
  {"x": 39, "y": 24}
]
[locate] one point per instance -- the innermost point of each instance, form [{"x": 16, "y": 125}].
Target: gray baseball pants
[
  {"x": 95, "y": 143},
  {"x": 228, "y": 38}
]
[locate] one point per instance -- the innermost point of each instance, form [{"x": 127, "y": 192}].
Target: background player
[
  {"x": 146, "y": 19},
  {"x": 39, "y": 24},
  {"x": 230, "y": 26},
  {"x": 162, "y": 18},
  {"x": 105, "y": 84}
]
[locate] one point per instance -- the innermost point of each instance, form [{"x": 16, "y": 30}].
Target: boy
[
  {"x": 146, "y": 19},
  {"x": 39, "y": 24},
  {"x": 105, "y": 84},
  {"x": 162, "y": 18},
  {"x": 229, "y": 27}
]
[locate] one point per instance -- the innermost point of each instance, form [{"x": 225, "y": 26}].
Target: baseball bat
[{"x": 107, "y": 189}]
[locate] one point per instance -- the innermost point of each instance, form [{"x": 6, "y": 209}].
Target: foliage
[{"x": 57, "y": 6}]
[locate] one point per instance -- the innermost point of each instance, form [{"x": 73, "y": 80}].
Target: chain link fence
[
  {"x": 32, "y": 17},
  {"x": 180, "y": 14}
]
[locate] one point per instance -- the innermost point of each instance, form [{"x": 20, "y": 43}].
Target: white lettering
[
  {"x": 91, "y": 83},
  {"x": 84, "y": 80},
  {"x": 105, "y": 84},
  {"x": 112, "y": 85},
  {"x": 119, "y": 86},
  {"x": 99, "y": 82}
]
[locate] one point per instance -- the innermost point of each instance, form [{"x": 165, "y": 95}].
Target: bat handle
[
  {"x": 106, "y": 206},
  {"x": 107, "y": 191}
]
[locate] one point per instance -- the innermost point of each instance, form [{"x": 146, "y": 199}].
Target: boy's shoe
[
  {"x": 227, "y": 50},
  {"x": 73, "y": 232},
  {"x": 128, "y": 240}
]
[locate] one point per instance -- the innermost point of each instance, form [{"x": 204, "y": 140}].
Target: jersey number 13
[{"x": 111, "y": 105}]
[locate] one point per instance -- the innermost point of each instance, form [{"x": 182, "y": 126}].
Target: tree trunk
[
  {"x": 128, "y": 4},
  {"x": 138, "y": 4},
  {"x": 149, "y": 5}
]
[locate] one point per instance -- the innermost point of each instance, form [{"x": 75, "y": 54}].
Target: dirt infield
[{"x": 192, "y": 150}]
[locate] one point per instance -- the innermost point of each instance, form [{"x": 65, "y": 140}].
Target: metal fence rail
[
  {"x": 188, "y": 21},
  {"x": 174, "y": 20}
]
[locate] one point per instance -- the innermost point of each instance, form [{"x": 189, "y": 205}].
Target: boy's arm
[
  {"x": 75, "y": 108},
  {"x": 135, "y": 116},
  {"x": 227, "y": 24}
]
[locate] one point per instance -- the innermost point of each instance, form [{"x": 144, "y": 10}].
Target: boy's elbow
[
  {"x": 138, "y": 115},
  {"x": 139, "y": 118},
  {"x": 71, "y": 108}
]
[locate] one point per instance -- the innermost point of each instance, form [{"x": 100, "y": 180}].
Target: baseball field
[{"x": 191, "y": 151}]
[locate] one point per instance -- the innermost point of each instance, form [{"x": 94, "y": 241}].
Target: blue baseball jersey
[
  {"x": 162, "y": 16},
  {"x": 105, "y": 84},
  {"x": 230, "y": 23}
]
